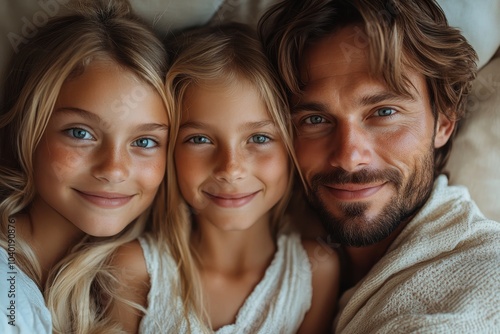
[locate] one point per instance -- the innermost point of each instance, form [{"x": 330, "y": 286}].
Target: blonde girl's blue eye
[
  {"x": 385, "y": 112},
  {"x": 79, "y": 133},
  {"x": 199, "y": 140},
  {"x": 145, "y": 143},
  {"x": 259, "y": 139}
]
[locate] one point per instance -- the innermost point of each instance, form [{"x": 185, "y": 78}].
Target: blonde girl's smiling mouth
[
  {"x": 108, "y": 200},
  {"x": 231, "y": 200}
]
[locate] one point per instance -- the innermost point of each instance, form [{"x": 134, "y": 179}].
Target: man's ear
[{"x": 444, "y": 129}]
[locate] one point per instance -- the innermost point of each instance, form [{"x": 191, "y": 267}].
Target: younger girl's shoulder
[
  {"x": 133, "y": 285},
  {"x": 323, "y": 258},
  {"x": 325, "y": 269},
  {"x": 130, "y": 257}
]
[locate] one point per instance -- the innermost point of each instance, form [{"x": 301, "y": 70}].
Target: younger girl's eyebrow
[
  {"x": 257, "y": 125},
  {"x": 192, "y": 125},
  {"x": 245, "y": 126}
]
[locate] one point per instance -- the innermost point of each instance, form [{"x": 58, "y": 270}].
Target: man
[{"x": 376, "y": 88}]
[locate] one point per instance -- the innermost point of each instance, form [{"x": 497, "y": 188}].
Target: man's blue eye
[
  {"x": 145, "y": 143},
  {"x": 385, "y": 112},
  {"x": 79, "y": 133},
  {"x": 199, "y": 140},
  {"x": 259, "y": 139},
  {"x": 314, "y": 119}
]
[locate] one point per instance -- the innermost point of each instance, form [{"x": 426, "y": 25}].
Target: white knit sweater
[{"x": 441, "y": 274}]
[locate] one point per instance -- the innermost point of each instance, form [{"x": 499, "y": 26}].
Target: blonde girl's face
[
  {"x": 103, "y": 154},
  {"x": 231, "y": 163}
]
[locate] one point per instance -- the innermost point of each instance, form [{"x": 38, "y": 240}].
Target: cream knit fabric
[
  {"x": 441, "y": 275},
  {"x": 277, "y": 304}
]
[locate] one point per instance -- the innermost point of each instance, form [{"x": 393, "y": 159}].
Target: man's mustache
[{"x": 363, "y": 176}]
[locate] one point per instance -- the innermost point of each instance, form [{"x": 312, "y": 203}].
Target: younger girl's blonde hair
[
  {"x": 215, "y": 55},
  {"x": 79, "y": 289}
]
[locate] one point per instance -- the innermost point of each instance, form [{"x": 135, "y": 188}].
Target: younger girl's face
[
  {"x": 231, "y": 163},
  {"x": 103, "y": 154}
]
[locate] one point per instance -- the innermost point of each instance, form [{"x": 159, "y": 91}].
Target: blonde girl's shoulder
[{"x": 325, "y": 269}]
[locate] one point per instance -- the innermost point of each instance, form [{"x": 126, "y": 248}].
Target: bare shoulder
[
  {"x": 133, "y": 286},
  {"x": 325, "y": 268},
  {"x": 324, "y": 260},
  {"x": 128, "y": 259}
]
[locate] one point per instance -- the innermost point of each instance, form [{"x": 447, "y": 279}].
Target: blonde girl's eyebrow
[
  {"x": 152, "y": 127},
  {"x": 80, "y": 112},
  {"x": 95, "y": 118}
]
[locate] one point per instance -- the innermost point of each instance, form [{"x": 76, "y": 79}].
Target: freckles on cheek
[
  {"x": 57, "y": 160},
  {"x": 152, "y": 173}
]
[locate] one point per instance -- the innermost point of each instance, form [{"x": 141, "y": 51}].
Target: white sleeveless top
[
  {"x": 276, "y": 305},
  {"x": 22, "y": 303}
]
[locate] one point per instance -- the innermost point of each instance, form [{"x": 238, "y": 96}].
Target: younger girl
[
  {"x": 84, "y": 135},
  {"x": 222, "y": 261}
]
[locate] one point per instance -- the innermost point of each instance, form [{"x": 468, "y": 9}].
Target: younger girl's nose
[{"x": 230, "y": 166}]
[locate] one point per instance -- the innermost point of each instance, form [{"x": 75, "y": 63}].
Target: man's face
[{"x": 366, "y": 152}]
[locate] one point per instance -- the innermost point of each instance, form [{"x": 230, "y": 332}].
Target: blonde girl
[
  {"x": 84, "y": 136},
  {"x": 222, "y": 261}
]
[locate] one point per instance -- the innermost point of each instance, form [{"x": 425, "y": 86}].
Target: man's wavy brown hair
[{"x": 400, "y": 35}]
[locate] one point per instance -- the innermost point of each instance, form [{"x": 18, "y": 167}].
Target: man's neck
[{"x": 360, "y": 260}]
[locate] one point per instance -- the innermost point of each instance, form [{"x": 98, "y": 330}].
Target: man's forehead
[{"x": 340, "y": 53}]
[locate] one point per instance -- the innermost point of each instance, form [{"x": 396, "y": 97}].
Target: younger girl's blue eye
[
  {"x": 199, "y": 140},
  {"x": 385, "y": 112},
  {"x": 259, "y": 139},
  {"x": 145, "y": 143},
  {"x": 79, "y": 133}
]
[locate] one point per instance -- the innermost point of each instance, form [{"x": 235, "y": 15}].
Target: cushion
[
  {"x": 475, "y": 157},
  {"x": 20, "y": 19},
  {"x": 479, "y": 22}
]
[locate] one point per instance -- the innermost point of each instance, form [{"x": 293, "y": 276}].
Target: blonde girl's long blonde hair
[
  {"x": 219, "y": 54},
  {"x": 79, "y": 289}
]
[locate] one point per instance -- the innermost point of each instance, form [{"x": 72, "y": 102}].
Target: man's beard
[{"x": 355, "y": 228}]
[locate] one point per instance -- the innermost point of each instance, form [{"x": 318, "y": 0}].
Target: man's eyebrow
[
  {"x": 308, "y": 106},
  {"x": 81, "y": 112},
  {"x": 377, "y": 98}
]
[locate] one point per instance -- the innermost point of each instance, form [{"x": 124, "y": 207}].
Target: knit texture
[
  {"x": 276, "y": 305},
  {"x": 440, "y": 275}
]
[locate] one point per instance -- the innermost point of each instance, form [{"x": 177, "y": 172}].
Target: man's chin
[{"x": 355, "y": 228}]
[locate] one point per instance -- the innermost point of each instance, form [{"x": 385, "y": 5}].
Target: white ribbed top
[{"x": 276, "y": 305}]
